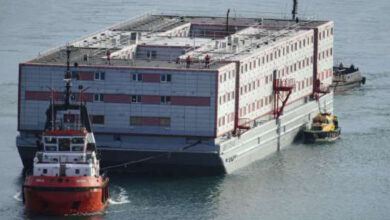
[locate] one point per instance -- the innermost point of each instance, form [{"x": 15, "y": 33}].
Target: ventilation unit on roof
[
  {"x": 113, "y": 42},
  {"x": 234, "y": 48},
  {"x": 235, "y": 40},
  {"x": 216, "y": 44}
]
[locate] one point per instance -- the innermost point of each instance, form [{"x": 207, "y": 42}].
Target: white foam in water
[
  {"x": 119, "y": 198},
  {"x": 18, "y": 197}
]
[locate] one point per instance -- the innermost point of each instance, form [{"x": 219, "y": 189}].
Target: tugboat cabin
[{"x": 66, "y": 153}]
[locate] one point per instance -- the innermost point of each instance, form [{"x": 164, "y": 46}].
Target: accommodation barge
[{"x": 203, "y": 93}]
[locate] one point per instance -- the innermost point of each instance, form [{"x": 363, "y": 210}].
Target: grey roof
[{"x": 201, "y": 32}]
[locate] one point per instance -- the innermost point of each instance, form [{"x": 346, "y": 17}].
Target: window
[
  {"x": 165, "y": 78},
  {"x": 135, "y": 121},
  {"x": 165, "y": 122},
  {"x": 77, "y": 140},
  {"x": 97, "y": 119},
  {"x": 154, "y": 54},
  {"x": 137, "y": 77},
  {"x": 44, "y": 171},
  {"x": 75, "y": 75},
  {"x": 98, "y": 97},
  {"x": 50, "y": 140},
  {"x": 77, "y": 171},
  {"x": 50, "y": 148},
  {"x": 136, "y": 99},
  {"x": 64, "y": 144},
  {"x": 133, "y": 36},
  {"x": 100, "y": 75},
  {"x": 77, "y": 148},
  {"x": 165, "y": 100}
]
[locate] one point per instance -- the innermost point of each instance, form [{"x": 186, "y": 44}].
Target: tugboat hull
[
  {"x": 65, "y": 195},
  {"x": 321, "y": 136}
]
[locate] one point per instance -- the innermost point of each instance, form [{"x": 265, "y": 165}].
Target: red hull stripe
[
  {"x": 59, "y": 96},
  {"x": 63, "y": 189},
  {"x": 59, "y": 181},
  {"x": 191, "y": 101},
  {"x": 83, "y": 75},
  {"x": 117, "y": 98},
  {"x": 151, "y": 99},
  {"x": 151, "y": 78}
]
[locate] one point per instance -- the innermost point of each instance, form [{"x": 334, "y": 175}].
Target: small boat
[
  {"x": 324, "y": 128},
  {"x": 66, "y": 173},
  {"x": 345, "y": 78}
]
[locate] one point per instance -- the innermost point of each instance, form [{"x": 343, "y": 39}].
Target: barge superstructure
[{"x": 206, "y": 93}]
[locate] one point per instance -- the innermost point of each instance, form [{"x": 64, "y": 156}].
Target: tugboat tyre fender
[{"x": 364, "y": 80}]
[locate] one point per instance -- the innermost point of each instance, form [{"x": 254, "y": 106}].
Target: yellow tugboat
[{"x": 324, "y": 128}]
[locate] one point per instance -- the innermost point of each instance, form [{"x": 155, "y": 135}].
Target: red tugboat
[{"x": 66, "y": 174}]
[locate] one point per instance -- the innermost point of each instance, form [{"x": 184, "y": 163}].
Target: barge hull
[{"x": 233, "y": 153}]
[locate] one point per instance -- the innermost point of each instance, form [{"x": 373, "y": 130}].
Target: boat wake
[
  {"x": 118, "y": 196},
  {"x": 18, "y": 197}
]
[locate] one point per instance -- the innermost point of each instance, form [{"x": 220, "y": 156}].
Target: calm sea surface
[{"x": 349, "y": 179}]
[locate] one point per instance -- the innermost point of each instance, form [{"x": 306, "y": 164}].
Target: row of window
[
  {"x": 300, "y": 64},
  {"x": 135, "y": 77},
  {"x": 325, "y": 33},
  {"x": 137, "y": 121},
  {"x": 227, "y": 97},
  {"x": 258, "y": 104},
  {"x": 227, "y": 76},
  {"x": 268, "y": 79},
  {"x": 325, "y": 54},
  {"x": 275, "y": 55},
  {"x": 133, "y": 99},
  {"x": 284, "y": 72},
  {"x": 144, "y": 121},
  {"x": 279, "y": 53}
]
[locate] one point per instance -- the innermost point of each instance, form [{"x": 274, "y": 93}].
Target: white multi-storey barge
[{"x": 155, "y": 99}]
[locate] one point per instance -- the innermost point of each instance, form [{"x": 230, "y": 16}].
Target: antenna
[
  {"x": 295, "y": 9},
  {"x": 227, "y": 21},
  {"x": 68, "y": 77}
]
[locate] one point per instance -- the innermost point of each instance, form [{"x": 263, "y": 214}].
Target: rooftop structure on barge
[{"x": 187, "y": 91}]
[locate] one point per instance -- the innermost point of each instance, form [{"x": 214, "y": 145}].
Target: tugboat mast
[
  {"x": 295, "y": 9},
  {"x": 67, "y": 77}
]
